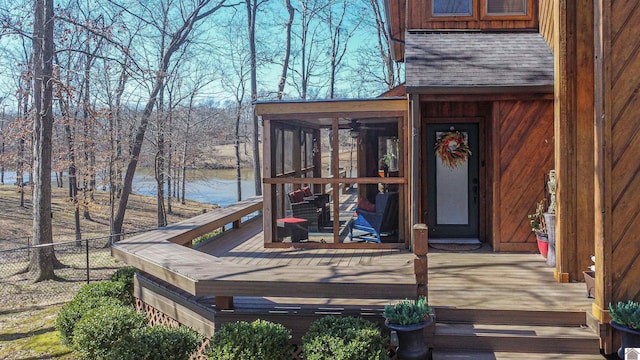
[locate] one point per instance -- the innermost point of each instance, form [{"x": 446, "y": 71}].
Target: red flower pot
[{"x": 543, "y": 243}]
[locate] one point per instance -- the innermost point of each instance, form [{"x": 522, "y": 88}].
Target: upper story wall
[
  {"x": 472, "y": 14},
  {"x": 545, "y": 18}
]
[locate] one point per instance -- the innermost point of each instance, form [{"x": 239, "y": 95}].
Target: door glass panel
[{"x": 452, "y": 197}]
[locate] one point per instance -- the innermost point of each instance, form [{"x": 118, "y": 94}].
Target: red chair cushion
[
  {"x": 307, "y": 191},
  {"x": 297, "y": 196},
  {"x": 292, "y": 220},
  {"x": 366, "y": 205}
]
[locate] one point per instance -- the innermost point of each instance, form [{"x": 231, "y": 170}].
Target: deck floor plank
[{"x": 459, "y": 280}]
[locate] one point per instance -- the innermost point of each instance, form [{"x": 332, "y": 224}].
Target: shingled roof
[{"x": 473, "y": 62}]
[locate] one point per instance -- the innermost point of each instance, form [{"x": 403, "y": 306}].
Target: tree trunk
[
  {"x": 252, "y": 8},
  {"x": 43, "y": 257},
  {"x": 180, "y": 36},
  {"x": 287, "y": 50},
  {"x": 237, "y": 149},
  {"x": 24, "y": 110}
]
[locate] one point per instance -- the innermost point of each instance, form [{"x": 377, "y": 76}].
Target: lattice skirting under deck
[{"x": 157, "y": 317}]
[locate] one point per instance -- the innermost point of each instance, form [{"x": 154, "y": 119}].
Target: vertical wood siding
[
  {"x": 625, "y": 148},
  {"x": 396, "y": 15},
  {"x": 525, "y": 147},
  {"x": 545, "y": 9},
  {"x": 519, "y": 149}
]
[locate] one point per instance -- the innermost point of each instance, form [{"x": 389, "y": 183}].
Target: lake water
[{"x": 207, "y": 186}]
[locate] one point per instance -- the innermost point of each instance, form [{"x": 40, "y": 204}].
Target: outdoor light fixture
[{"x": 354, "y": 131}]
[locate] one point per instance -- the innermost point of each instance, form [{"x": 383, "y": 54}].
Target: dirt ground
[{"x": 28, "y": 310}]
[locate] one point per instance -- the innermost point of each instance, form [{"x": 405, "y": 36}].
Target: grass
[
  {"x": 31, "y": 334},
  {"x": 27, "y": 310}
]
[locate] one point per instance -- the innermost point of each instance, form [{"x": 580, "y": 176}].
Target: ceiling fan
[{"x": 355, "y": 127}]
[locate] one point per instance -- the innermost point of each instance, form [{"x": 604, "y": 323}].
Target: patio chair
[
  {"x": 305, "y": 209},
  {"x": 321, "y": 201},
  {"x": 374, "y": 223}
]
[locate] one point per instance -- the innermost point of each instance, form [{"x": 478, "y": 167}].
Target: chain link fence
[{"x": 81, "y": 261}]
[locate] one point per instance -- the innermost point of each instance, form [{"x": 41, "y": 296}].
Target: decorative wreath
[{"x": 452, "y": 148}]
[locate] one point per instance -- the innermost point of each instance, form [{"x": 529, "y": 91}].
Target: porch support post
[
  {"x": 414, "y": 143},
  {"x": 335, "y": 166},
  {"x": 420, "y": 247},
  {"x": 269, "y": 206},
  {"x": 617, "y": 159},
  {"x": 574, "y": 137}
]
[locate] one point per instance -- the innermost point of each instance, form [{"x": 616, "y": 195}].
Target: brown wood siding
[
  {"x": 397, "y": 25},
  {"x": 625, "y": 146},
  {"x": 418, "y": 18},
  {"x": 545, "y": 9},
  {"x": 524, "y": 148}
]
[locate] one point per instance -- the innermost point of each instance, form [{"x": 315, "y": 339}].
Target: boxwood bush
[
  {"x": 115, "y": 289},
  {"x": 71, "y": 312},
  {"x": 100, "y": 330},
  {"x": 125, "y": 275},
  {"x": 344, "y": 338},
  {"x": 260, "y": 339},
  {"x": 158, "y": 343}
]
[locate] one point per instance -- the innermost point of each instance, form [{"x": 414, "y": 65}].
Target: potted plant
[
  {"x": 408, "y": 319},
  {"x": 538, "y": 227},
  {"x": 625, "y": 317}
]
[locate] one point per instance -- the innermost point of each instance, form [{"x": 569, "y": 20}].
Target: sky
[{"x": 219, "y": 48}]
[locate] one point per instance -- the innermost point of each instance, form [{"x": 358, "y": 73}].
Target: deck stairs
[{"x": 512, "y": 334}]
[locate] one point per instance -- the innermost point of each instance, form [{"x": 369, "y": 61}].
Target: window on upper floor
[
  {"x": 506, "y": 7},
  {"x": 474, "y": 10},
  {"x": 452, "y": 7}
]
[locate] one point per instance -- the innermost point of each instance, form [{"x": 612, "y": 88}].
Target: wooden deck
[
  {"x": 488, "y": 301},
  {"x": 239, "y": 267},
  {"x": 465, "y": 280}
]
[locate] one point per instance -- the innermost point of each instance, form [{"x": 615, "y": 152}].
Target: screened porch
[{"x": 335, "y": 173}]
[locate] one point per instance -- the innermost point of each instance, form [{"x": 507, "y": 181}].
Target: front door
[{"x": 453, "y": 180}]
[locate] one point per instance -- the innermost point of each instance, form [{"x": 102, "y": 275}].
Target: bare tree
[
  {"x": 372, "y": 58},
  {"x": 234, "y": 76},
  {"x": 43, "y": 258},
  {"x": 340, "y": 32},
  {"x": 310, "y": 60},
  {"x": 201, "y": 11},
  {"x": 287, "y": 49},
  {"x": 252, "y": 9}
]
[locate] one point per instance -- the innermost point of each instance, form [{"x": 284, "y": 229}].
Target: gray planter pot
[
  {"x": 411, "y": 340},
  {"x": 630, "y": 338}
]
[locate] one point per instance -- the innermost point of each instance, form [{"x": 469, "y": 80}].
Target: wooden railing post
[{"x": 420, "y": 248}]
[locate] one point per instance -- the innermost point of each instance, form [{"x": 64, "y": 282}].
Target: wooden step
[
  {"x": 516, "y": 338},
  {"x": 466, "y": 355},
  {"x": 510, "y": 317}
]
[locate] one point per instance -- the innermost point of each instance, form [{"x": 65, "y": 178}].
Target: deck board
[
  {"x": 465, "y": 280},
  {"x": 237, "y": 264}
]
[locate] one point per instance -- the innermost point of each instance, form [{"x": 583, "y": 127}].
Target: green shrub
[
  {"x": 100, "y": 330},
  {"x": 114, "y": 289},
  {"x": 125, "y": 275},
  {"x": 71, "y": 312},
  {"x": 344, "y": 338},
  {"x": 407, "y": 312},
  {"x": 158, "y": 343},
  {"x": 260, "y": 339},
  {"x": 626, "y": 314}
]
